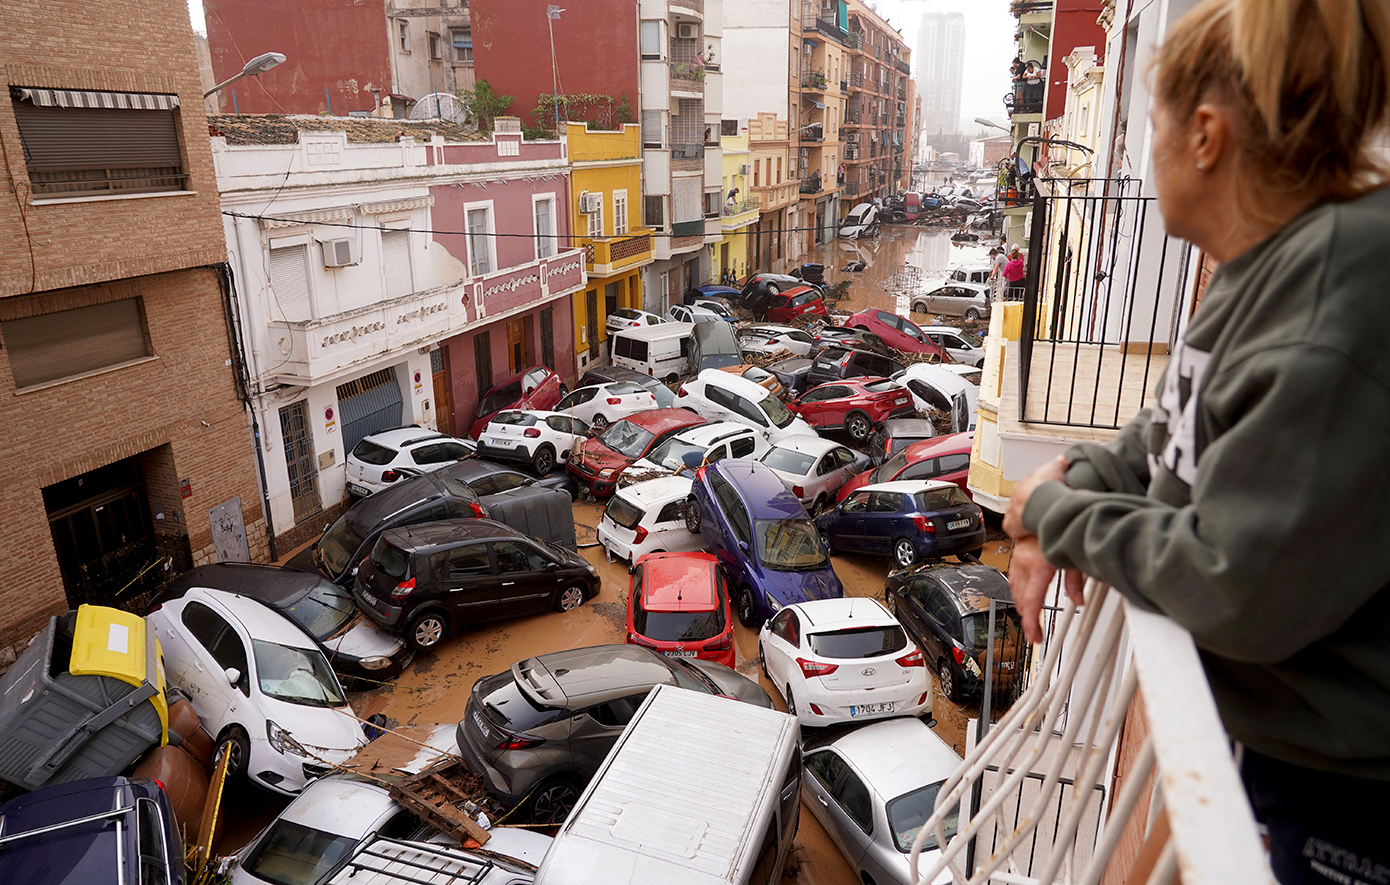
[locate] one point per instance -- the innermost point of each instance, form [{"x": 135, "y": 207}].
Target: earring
[{"x": 1201, "y": 167}]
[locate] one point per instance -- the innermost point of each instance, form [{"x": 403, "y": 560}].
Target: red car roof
[
  {"x": 680, "y": 582},
  {"x": 661, "y": 420},
  {"x": 797, "y": 290},
  {"x": 950, "y": 444}
]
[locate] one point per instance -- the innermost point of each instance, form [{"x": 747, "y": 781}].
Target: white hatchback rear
[
  {"x": 648, "y": 517},
  {"x": 390, "y": 455}
]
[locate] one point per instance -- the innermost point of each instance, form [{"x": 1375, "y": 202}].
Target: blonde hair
[{"x": 1309, "y": 81}]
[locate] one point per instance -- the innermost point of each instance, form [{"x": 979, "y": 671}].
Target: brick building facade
[{"x": 126, "y": 451}]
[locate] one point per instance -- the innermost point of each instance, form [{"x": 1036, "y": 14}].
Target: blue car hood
[{"x": 793, "y": 587}]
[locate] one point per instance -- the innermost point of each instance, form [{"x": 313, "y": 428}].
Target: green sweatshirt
[{"x": 1251, "y": 504}]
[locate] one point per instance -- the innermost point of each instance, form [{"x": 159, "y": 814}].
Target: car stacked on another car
[
  {"x": 762, "y": 287},
  {"x": 758, "y": 375},
  {"x": 939, "y": 387},
  {"x": 856, "y": 406},
  {"x": 686, "y": 450},
  {"x": 596, "y": 463},
  {"x": 768, "y": 338},
  {"x": 537, "y": 388},
  {"x": 897, "y": 434},
  {"x": 896, "y": 332},
  {"x": 540, "y": 439},
  {"x": 389, "y": 456},
  {"x": 601, "y": 404},
  {"x": 678, "y": 605},
  {"x": 702, "y": 311},
  {"x": 813, "y": 468},
  {"x": 631, "y": 318},
  {"x": 648, "y": 517},
  {"x": 665, "y": 396},
  {"x": 942, "y": 457},
  {"x": 499, "y": 486},
  {"x": 800, "y": 301},
  {"x": 851, "y": 338},
  {"x": 910, "y": 520},
  {"x": 719, "y": 396},
  {"x": 964, "y": 347},
  {"x": 841, "y": 364}
]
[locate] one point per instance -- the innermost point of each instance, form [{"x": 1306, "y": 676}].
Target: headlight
[
  {"x": 281, "y": 741},
  {"x": 375, "y": 663},
  {"x": 610, "y": 471},
  {"x": 772, "y": 601}
]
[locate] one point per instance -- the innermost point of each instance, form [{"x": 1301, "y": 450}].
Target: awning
[
  {"x": 78, "y": 98},
  {"x": 819, "y": 104}
]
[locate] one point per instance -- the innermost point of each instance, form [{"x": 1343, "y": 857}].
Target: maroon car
[
  {"x": 536, "y": 388},
  {"x": 896, "y": 332},
  {"x": 597, "y": 462},
  {"x": 799, "y": 301},
  {"x": 857, "y": 406}
]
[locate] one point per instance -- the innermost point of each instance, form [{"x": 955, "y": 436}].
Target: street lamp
[
  {"x": 990, "y": 123},
  {"x": 256, "y": 66}
]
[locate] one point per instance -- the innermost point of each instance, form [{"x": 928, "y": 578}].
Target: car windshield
[
  {"x": 789, "y": 545},
  {"x": 372, "y": 453},
  {"x": 970, "y": 338},
  {"x": 293, "y": 854},
  {"x": 789, "y": 461},
  {"x": 323, "y": 611},
  {"x": 777, "y": 413},
  {"x": 860, "y": 642},
  {"x": 941, "y": 499},
  {"x": 627, "y": 438},
  {"x": 623, "y": 512},
  {"x": 296, "y": 675},
  {"x": 881, "y": 386},
  {"x": 672, "y": 626},
  {"x": 500, "y": 398},
  {"x": 339, "y": 543},
  {"x": 890, "y": 468},
  {"x": 908, "y": 812},
  {"x": 1007, "y": 623},
  {"x": 674, "y": 451}
]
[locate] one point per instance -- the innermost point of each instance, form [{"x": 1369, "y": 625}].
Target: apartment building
[
  {"x": 940, "y": 61},
  {"x": 877, "y": 115}
]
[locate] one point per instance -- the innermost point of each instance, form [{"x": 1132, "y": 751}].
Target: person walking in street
[
  {"x": 1015, "y": 273},
  {"x": 1214, "y": 506}
]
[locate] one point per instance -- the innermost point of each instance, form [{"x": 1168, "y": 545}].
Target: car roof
[
  {"x": 426, "y": 536},
  {"x": 578, "y": 677},
  {"x": 709, "y": 434},
  {"x": 270, "y": 625},
  {"x": 973, "y": 585},
  {"x": 910, "y": 486},
  {"x": 399, "y": 437},
  {"x": 661, "y": 420},
  {"x": 955, "y": 329},
  {"x": 656, "y": 491},
  {"x": 799, "y": 290},
  {"x": 667, "y": 329},
  {"x": 680, "y": 582},
  {"x": 343, "y": 805},
  {"x": 964, "y": 284},
  {"x": 898, "y": 755},
  {"x": 271, "y": 584},
  {"x": 474, "y": 469},
  {"x": 933, "y": 373},
  {"x": 909, "y": 427},
  {"x": 771, "y": 328},
  {"x": 762, "y": 489},
  {"x": 827, "y": 615},
  {"x": 951, "y": 443},
  {"x": 736, "y": 383},
  {"x": 807, "y": 444}
]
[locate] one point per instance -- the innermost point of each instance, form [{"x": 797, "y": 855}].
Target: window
[
  {"x": 545, "y": 227},
  {"x": 596, "y": 220},
  {"x": 480, "y": 259},
  {"x": 742, "y": 448},
  {"x": 757, "y": 173},
  {"x": 436, "y": 46},
  {"x": 548, "y": 336},
  {"x": 651, "y": 129},
  {"x": 518, "y": 556},
  {"x": 651, "y": 39},
  {"x": 395, "y": 256},
  {"x": 853, "y": 797},
  {"x": 653, "y": 213},
  {"x": 712, "y": 204},
  {"x": 619, "y": 213},
  {"x": 482, "y": 361},
  {"x": 778, "y": 180},
  {"x": 70, "y": 342},
  {"x": 404, "y": 36},
  {"x": 463, "y": 45},
  {"x": 94, "y": 143}
]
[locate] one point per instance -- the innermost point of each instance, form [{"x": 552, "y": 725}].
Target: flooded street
[{"x": 435, "y": 688}]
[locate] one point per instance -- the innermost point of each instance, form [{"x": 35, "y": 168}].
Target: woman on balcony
[{"x": 1251, "y": 503}]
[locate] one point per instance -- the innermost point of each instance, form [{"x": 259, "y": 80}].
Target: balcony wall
[
  {"x": 777, "y": 196},
  {"x": 605, "y": 256}
]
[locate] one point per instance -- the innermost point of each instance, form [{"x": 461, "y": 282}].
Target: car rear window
[
  {"x": 293, "y": 854},
  {"x": 623, "y": 388},
  {"x": 511, "y": 707},
  {"x": 908, "y": 812},
  {"x": 500, "y": 398},
  {"x": 372, "y": 453},
  {"x": 1007, "y": 625},
  {"x": 755, "y": 374},
  {"x": 672, "y": 626},
  {"x": 389, "y": 560},
  {"x": 941, "y": 499},
  {"x": 859, "y": 642},
  {"x": 520, "y": 419},
  {"x": 623, "y": 512},
  {"x": 789, "y": 461},
  {"x": 881, "y": 386}
]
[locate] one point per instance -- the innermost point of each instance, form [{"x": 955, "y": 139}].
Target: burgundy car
[
  {"x": 897, "y": 332},
  {"x": 857, "y": 406},
  {"x": 943, "y": 457},
  {"x": 795, "y": 302},
  {"x": 597, "y": 462},
  {"x": 536, "y": 388}
]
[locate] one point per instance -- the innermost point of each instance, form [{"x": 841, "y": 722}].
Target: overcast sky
[{"x": 989, "y": 47}]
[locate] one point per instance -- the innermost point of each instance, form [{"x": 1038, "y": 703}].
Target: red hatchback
[
  {"x": 896, "y": 332},
  {"x": 795, "y": 302},
  {"x": 944, "y": 457},
  {"x": 679, "y": 606},
  {"x": 857, "y": 406},
  {"x": 536, "y": 388},
  {"x": 597, "y": 462}
]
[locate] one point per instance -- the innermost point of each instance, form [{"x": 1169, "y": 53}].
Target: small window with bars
[{"x": 653, "y": 213}]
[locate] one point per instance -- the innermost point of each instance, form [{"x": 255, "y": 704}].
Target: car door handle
[
  {"x": 822, "y": 801},
  {"x": 508, "y": 583}
]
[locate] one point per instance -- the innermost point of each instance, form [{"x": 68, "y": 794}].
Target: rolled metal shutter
[{"x": 369, "y": 404}]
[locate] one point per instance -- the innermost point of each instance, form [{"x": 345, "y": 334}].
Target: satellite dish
[{"x": 441, "y": 106}]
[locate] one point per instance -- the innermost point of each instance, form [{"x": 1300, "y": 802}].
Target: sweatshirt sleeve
[
  {"x": 1281, "y": 541},
  {"x": 1120, "y": 465}
]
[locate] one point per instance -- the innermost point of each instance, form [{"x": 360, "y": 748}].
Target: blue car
[
  {"x": 762, "y": 536},
  {"x": 910, "y": 520},
  {"x": 721, "y": 293}
]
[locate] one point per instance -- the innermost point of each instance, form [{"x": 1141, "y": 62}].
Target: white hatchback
[
  {"x": 813, "y": 467},
  {"x": 648, "y": 517},
  {"x": 840, "y": 660},
  {"x": 382, "y": 458},
  {"x": 540, "y": 439},
  {"x": 631, "y": 318},
  {"x": 721, "y": 396},
  {"x": 602, "y": 404},
  {"x": 775, "y": 339},
  {"x": 693, "y": 446},
  {"x": 260, "y": 684},
  {"x": 688, "y": 313},
  {"x": 964, "y": 347}
]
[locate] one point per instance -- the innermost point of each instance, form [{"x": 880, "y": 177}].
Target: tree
[{"x": 484, "y": 104}]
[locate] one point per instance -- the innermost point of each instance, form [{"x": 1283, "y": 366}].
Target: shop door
[
  {"x": 443, "y": 392},
  {"x": 369, "y": 404}
]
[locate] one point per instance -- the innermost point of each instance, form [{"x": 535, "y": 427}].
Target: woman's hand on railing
[{"x": 1030, "y": 574}]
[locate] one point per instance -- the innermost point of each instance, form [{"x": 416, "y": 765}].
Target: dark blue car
[
  {"x": 762, "y": 536},
  {"x": 910, "y": 520},
  {"x": 720, "y": 293},
  {"x": 98, "y": 831}
]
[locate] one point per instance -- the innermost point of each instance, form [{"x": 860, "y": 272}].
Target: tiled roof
[{"x": 243, "y": 129}]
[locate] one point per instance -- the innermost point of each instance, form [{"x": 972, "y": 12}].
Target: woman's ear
[{"x": 1208, "y": 135}]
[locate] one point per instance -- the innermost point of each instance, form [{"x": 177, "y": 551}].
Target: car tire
[
  {"x": 427, "y": 629},
  {"x": 904, "y": 554},
  {"x": 772, "y": 290},
  {"x": 552, "y": 801},
  {"x": 817, "y": 506},
  {"x": 946, "y": 681},
  {"x": 919, "y": 307},
  {"x": 671, "y": 379},
  {"x": 825, "y": 541},
  {"x": 543, "y": 461},
  {"x": 858, "y": 426},
  {"x": 234, "y": 742},
  {"x": 564, "y": 390},
  {"x": 599, "y": 422},
  {"x": 692, "y": 515},
  {"x": 570, "y": 599},
  {"x": 791, "y": 701},
  {"x": 746, "y": 608},
  {"x": 762, "y": 662},
  {"x": 972, "y": 314}
]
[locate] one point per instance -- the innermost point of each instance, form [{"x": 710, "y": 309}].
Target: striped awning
[{"x": 82, "y": 98}]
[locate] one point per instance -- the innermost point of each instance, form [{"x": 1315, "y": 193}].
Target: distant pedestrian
[{"x": 1015, "y": 276}]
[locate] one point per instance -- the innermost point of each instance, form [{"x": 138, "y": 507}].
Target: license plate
[
  {"x": 371, "y": 600},
  {"x": 958, "y": 524},
  {"x": 499, "y": 442},
  {"x": 679, "y": 654},
  {"x": 358, "y": 490},
  {"x": 478, "y": 721},
  {"x": 900, "y": 401},
  {"x": 1007, "y": 665},
  {"x": 866, "y": 709}
]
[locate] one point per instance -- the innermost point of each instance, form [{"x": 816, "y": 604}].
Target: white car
[
  {"x": 648, "y": 517},
  {"x": 602, "y": 404},
  {"x": 259, "y": 684},
  {"x": 386, "y": 456},
  {"x": 631, "y": 318},
  {"x": 964, "y": 347},
  {"x": 940, "y": 388},
  {"x": 775, "y": 339},
  {"x": 722, "y": 396},
  {"x": 541, "y": 439},
  {"x": 841, "y": 660},
  {"x": 703, "y": 444},
  {"x": 813, "y": 468},
  {"x": 695, "y": 313}
]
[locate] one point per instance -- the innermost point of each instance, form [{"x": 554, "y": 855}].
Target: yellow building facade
[
  {"x": 606, "y": 221},
  {"x": 740, "y": 210}
]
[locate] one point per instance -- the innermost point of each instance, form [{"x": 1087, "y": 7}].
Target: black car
[
  {"x": 810, "y": 272},
  {"x": 841, "y": 364},
  {"x": 945, "y": 609},
  {"x": 665, "y": 397},
  {"x": 425, "y": 498},
  {"x": 760, "y": 287},
  {"x": 843, "y": 336},
  {"x": 425, "y": 580},
  {"x": 495, "y": 482},
  {"x": 325, "y": 611},
  {"x": 92, "y": 832},
  {"x": 791, "y": 373},
  {"x": 896, "y": 434}
]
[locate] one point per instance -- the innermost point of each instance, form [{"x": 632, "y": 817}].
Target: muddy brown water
[{"x": 436, "y": 686}]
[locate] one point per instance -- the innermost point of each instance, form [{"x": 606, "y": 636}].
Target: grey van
[{"x": 714, "y": 346}]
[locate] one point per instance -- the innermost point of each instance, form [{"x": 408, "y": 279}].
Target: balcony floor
[{"x": 1126, "y": 381}]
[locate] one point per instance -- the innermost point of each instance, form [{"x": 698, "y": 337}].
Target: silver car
[
  {"x": 873, "y": 788},
  {"x": 957, "y": 299}
]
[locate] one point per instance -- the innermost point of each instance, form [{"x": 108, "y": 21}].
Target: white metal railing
[{"x": 1069, "y": 720}]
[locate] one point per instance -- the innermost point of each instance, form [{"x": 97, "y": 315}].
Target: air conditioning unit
[
  {"x": 688, "y": 32},
  {"x": 340, "y": 253},
  {"x": 590, "y": 203},
  {"x": 743, "y": 170}
]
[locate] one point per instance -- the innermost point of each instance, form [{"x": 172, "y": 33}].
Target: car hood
[
  {"x": 793, "y": 587},
  {"x": 798, "y": 427},
  {"x": 732, "y": 684},
  {"x": 329, "y": 732},
  {"x": 363, "y": 639},
  {"x": 597, "y": 457}
]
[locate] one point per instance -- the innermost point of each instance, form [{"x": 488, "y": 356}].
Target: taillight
[
  {"x": 817, "y": 710},
  {"x": 403, "y": 589},
  {"x": 477, "y": 509},
  {"x": 520, "y": 742},
  {"x": 159, "y": 783},
  {"x": 532, "y": 432},
  {"x": 912, "y": 659},
  {"x": 772, "y": 341},
  {"x": 814, "y": 668},
  {"x": 614, "y": 401},
  {"x": 640, "y": 535},
  {"x": 959, "y": 656},
  {"x": 798, "y": 491},
  {"x": 639, "y": 639},
  {"x": 723, "y": 643},
  {"x": 923, "y": 523},
  {"x": 680, "y": 393},
  {"x": 390, "y": 476}
]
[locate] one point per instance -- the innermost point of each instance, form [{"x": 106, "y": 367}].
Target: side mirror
[
  {"x": 233, "y": 675},
  {"x": 743, "y": 545},
  {"x": 552, "y": 566}
]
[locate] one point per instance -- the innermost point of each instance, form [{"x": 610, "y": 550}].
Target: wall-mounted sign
[
  {"x": 419, "y": 387},
  {"x": 328, "y": 422},
  {"x": 185, "y": 488}
]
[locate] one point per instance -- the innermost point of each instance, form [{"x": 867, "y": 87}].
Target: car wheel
[
  {"x": 818, "y": 505},
  {"x": 237, "y": 747},
  {"x": 570, "y": 599},
  {"x": 825, "y": 541},
  {"x": 671, "y": 378},
  {"x": 919, "y": 307},
  {"x": 858, "y": 426},
  {"x": 772, "y": 290},
  {"x": 946, "y": 680},
  {"x": 564, "y": 390},
  {"x": 904, "y": 554},
  {"x": 692, "y": 515},
  {"x": 543, "y": 461},
  {"x": 552, "y": 801},
  {"x": 972, "y": 314},
  {"x": 762, "y": 662},
  {"x": 599, "y": 422},
  {"x": 428, "y": 629},
  {"x": 747, "y": 610},
  {"x": 791, "y": 701}
]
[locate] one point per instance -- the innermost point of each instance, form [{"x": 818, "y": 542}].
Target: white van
[
  {"x": 699, "y": 790},
  {"x": 662, "y": 351}
]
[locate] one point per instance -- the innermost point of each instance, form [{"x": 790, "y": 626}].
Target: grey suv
[
  {"x": 538, "y": 732},
  {"x": 843, "y": 363}
]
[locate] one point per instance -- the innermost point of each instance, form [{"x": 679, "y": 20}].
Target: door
[
  {"x": 594, "y": 730},
  {"x": 470, "y": 589},
  {"x": 528, "y": 585},
  {"x": 369, "y": 404},
  {"x": 837, "y": 805},
  {"x": 881, "y": 520},
  {"x": 443, "y": 391},
  {"x": 517, "y": 356},
  {"x": 670, "y": 531},
  {"x": 591, "y": 321},
  {"x": 781, "y": 647},
  {"x": 300, "y": 465},
  {"x": 851, "y": 521},
  {"x": 216, "y": 647}
]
